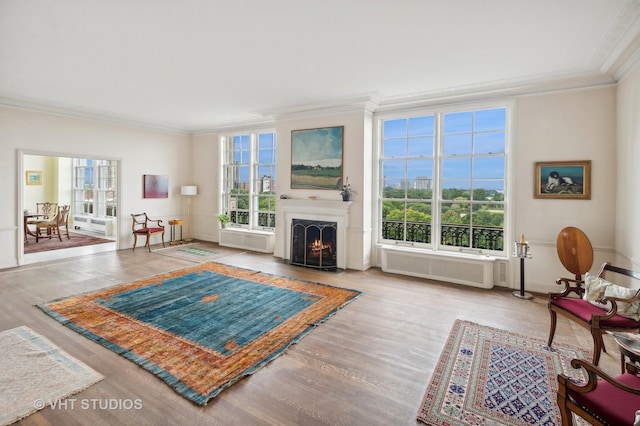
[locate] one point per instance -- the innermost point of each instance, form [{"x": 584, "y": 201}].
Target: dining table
[{"x": 27, "y": 217}]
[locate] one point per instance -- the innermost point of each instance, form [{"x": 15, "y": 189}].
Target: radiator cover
[
  {"x": 476, "y": 271},
  {"x": 254, "y": 241}
]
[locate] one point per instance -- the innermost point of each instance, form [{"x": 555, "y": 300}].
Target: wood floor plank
[{"x": 367, "y": 365}]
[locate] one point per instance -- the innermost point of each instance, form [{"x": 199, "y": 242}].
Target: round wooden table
[{"x": 629, "y": 345}]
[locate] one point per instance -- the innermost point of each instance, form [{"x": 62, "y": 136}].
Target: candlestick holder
[{"x": 521, "y": 250}]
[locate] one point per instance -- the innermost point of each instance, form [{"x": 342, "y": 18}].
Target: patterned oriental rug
[
  {"x": 490, "y": 376},
  {"x": 75, "y": 240},
  {"x": 202, "y": 328},
  {"x": 196, "y": 252},
  {"x": 36, "y": 373}
]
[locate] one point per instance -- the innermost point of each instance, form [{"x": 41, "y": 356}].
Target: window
[
  {"x": 94, "y": 187},
  {"x": 443, "y": 180},
  {"x": 249, "y": 173}
]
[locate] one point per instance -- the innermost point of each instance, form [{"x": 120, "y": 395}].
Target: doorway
[{"x": 90, "y": 186}]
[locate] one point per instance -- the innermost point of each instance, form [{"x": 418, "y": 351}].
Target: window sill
[
  {"x": 448, "y": 254},
  {"x": 246, "y": 230}
]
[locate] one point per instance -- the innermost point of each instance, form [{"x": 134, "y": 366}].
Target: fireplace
[
  {"x": 316, "y": 211},
  {"x": 314, "y": 244}
]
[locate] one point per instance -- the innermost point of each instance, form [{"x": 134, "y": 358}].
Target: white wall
[
  {"x": 357, "y": 157},
  {"x": 572, "y": 125},
  {"x": 206, "y": 170},
  {"x": 627, "y": 228},
  {"x": 139, "y": 151}
]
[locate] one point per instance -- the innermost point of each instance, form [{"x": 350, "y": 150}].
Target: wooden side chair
[
  {"x": 142, "y": 225},
  {"x": 603, "y": 400},
  {"x": 599, "y": 313},
  {"x": 54, "y": 225},
  {"x": 46, "y": 210}
]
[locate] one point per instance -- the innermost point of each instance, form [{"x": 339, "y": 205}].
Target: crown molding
[
  {"x": 613, "y": 45},
  {"x": 367, "y": 102},
  {"x": 32, "y": 105},
  {"x": 496, "y": 89},
  {"x": 235, "y": 126},
  {"x": 631, "y": 64},
  {"x": 358, "y": 102}
]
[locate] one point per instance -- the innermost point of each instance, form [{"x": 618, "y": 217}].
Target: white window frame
[
  {"x": 436, "y": 201},
  {"x": 98, "y": 207},
  {"x": 227, "y": 155}
]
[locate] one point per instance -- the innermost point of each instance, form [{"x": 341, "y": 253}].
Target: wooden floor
[{"x": 367, "y": 365}]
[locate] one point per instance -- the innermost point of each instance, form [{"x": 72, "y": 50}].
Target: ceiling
[{"x": 198, "y": 65}]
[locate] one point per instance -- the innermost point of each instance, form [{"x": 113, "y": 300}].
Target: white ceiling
[{"x": 196, "y": 65}]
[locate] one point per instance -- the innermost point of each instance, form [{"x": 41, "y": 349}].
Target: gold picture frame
[
  {"x": 563, "y": 180},
  {"x": 34, "y": 177}
]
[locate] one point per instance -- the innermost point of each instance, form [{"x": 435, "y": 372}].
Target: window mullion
[
  {"x": 436, "y": 221},
  {"x": 253, "y": 192}
]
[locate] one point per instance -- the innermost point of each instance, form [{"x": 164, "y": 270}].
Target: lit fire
[{"x": 317, "y": 247}]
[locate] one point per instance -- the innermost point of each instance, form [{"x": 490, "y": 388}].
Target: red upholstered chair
[
  {"x": 142, "y": 225},
  {"x": 603, "y": 400},
  {"x": 597, "y": 319},
  {"x": 576, "y": 254}
]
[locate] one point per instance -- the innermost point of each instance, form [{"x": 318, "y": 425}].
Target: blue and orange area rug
[
  {"x": 490, "y": 376},
  {"x": 202, "y": 328}
]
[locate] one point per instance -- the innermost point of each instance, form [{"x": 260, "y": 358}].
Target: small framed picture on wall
[
  {"x": 563, "y": 179},
  {"x": 156, "y": 186},
  {"x": 34, "y": 177}
]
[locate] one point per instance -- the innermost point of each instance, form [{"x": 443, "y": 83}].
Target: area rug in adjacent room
[
  {"x": 36, "y": 373},
  {"x": 202, "y": 328},
  {"x": 196, "y": 252},
  {"x": 75, "y": 240},
  {"x": 490, "y": 376}
]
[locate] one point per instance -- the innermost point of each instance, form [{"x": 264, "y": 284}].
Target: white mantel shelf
[
  {"x": 314, "y": 205},
  {"x": 320, "y": 210}
]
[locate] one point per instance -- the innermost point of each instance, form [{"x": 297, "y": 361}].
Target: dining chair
[{"x": 54, "y": 225}]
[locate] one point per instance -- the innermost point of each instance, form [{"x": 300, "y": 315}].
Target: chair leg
[
  {"x": 148, "y": 244},
  {"x": 598, "y": 344},
  {"x": 565, "y": 413},
  {"x": 58, "y": 232},
  {"x": 163, "y": 239},
  {"x": 552, "y": 327},
  {"x": 135, "y": 241}
]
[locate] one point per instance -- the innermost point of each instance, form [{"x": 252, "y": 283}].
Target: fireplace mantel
[{"x": 321, "y": 210}]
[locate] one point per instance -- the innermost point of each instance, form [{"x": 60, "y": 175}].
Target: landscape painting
[{"x": 316, "y": 158}]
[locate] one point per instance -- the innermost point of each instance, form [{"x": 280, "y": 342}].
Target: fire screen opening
[{"x": 313, "y": 244}]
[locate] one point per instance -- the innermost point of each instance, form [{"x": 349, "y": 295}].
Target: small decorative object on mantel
[
  {"x": 346, "y": 190},
  {"x": 224, "y": 219}
]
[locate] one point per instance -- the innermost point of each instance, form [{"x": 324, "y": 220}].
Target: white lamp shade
[{"x": 189, "y": 190}]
